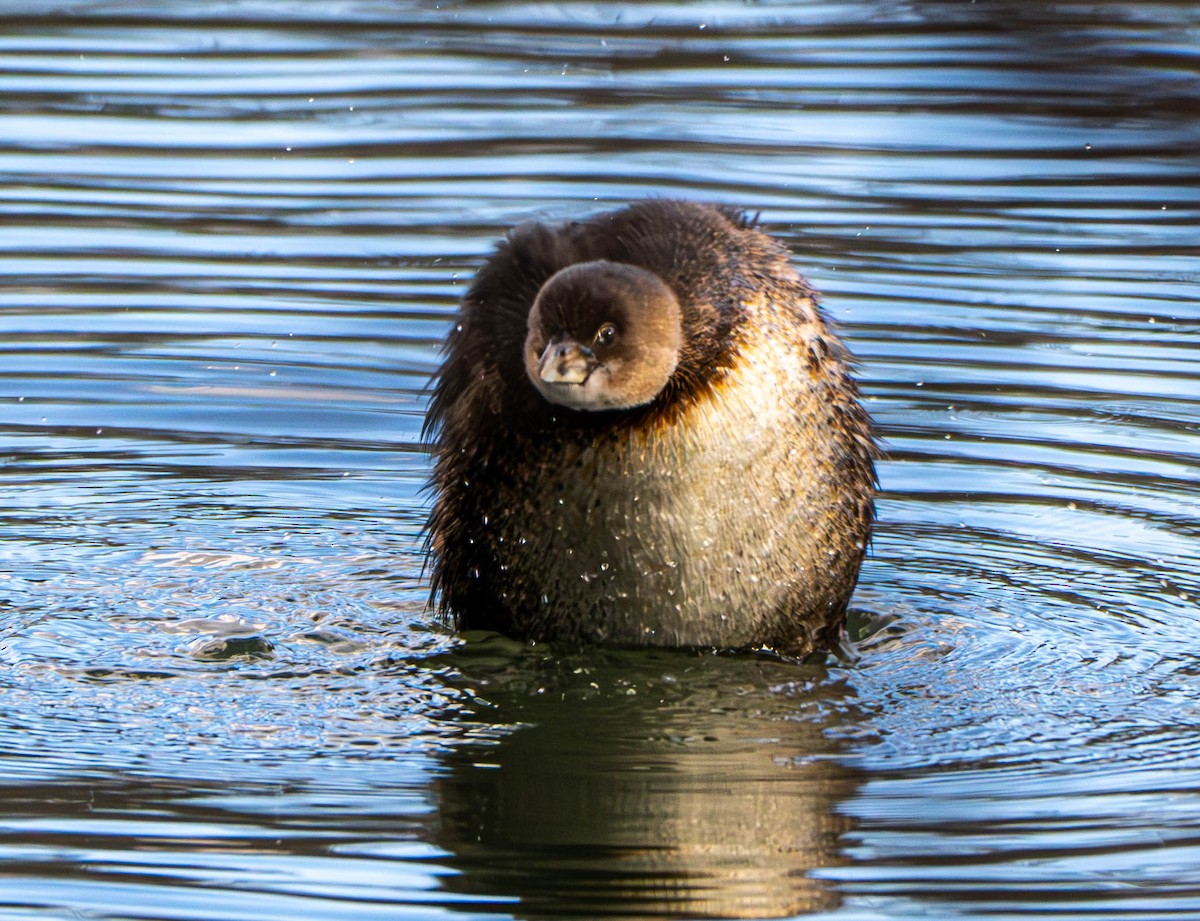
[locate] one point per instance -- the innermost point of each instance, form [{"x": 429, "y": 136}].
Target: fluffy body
[{"x": 732, "y": 509}]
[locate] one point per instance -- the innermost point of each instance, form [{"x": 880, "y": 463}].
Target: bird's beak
[{"x": 566, "y": 362}]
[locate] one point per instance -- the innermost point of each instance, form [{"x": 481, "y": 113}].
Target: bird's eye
[{"x": 605, "y": 334}]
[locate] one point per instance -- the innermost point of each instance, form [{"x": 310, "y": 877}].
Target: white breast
[{"x": 697, "y": 532}]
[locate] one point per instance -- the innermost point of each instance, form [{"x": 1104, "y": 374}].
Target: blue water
[{"x": 232, "y": 236}]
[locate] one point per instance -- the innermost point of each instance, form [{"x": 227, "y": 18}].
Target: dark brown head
[{"x": 603, "y": 335}]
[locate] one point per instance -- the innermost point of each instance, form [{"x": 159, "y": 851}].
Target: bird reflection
[{"x": 656, "y": 786}]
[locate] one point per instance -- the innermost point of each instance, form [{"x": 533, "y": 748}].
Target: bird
[{"x": 645, "y": 433}]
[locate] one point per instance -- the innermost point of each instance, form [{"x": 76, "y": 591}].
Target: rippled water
[{"x": 232, "y": 235}]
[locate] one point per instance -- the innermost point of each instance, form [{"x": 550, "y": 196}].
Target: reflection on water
[
  {"x": 233, "y": 237},
  {"x": 649, "y": 785}
]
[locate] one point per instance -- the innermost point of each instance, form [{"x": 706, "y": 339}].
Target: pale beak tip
[{"x": 566, "y": 362}]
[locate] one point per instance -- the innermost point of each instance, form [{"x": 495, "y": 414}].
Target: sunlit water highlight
[{"x": 232, "y": 236}]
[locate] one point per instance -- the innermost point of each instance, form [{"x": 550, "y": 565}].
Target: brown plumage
[{"x": 644, "y": 433}]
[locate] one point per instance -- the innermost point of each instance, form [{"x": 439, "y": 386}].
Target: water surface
[{"x": 232, "y": 236}]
